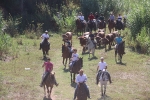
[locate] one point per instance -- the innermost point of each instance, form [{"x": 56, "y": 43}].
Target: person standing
[
  {"x": 48, "y": 69},
  {"x": 81, "y": 78},
  {"x": 101, "y": 65}
]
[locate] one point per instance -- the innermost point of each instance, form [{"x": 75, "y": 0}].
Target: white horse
[
  {"x": 103, "y": 79},
  {"x": 91, "y": 46}
]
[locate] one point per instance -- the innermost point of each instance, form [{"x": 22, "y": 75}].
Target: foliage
[
  {"x": 101, "y": 6},
  {"x": 138, "y": 17},
  {"x": 143, "y": 40}
]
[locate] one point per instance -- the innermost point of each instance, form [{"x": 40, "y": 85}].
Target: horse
[
  {"x": 48, "y": 84},
  {"x": 120, "y": 51},
  {"x": 45, "y": 47},
  {"x": 111, "y": 25},
  {"x": 119, "y": 26},
  {"x": 91, "y": 46},
  {"x": 76, "y": 67},
  {"x": 101, "y": 25},
  {"x": 104, "y": 77},
  {"x": 65, "y": 54},
  {"x": 80, "y": 26},
  {"x": 81, "y": 92},
  {"x": 92, "y": 25}
]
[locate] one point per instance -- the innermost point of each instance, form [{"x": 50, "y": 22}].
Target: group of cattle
[{"x": 100, "y": 37}]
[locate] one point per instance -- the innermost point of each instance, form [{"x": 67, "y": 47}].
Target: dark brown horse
[
  {"x": 48, "y": 84},
  {"x": 92, "y": 25},
  {"x": 81, "y": 26},
  {"x": 76, "y": 67},
  {"x": 65, "y": 54},
  {"x": 120, "y": 51},
  {"x": 111, "y": 25},
  {"x": 81, "y": 92},
  {"x": 119, "y": 25},
  {"x": 45, "y": 47},
  {"x": 102, "y": 25}
]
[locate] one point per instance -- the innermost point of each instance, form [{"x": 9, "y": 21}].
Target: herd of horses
[
  {"x": 83, "y": 26},
  {"x": 87, "y": 44}
]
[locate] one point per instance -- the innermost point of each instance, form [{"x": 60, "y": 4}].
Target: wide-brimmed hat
[{"x": 46, "y": 31}]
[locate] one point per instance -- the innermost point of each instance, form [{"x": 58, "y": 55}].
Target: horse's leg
[
  {"x": 71, "y": 76},
  {"x": 63, "y": 60},
  {"x": 101, "y": 90},
  {"x": 74, "y": 77},
  {"x": 105, "y": 89},
  {"x": 50, "y": 91},
  {"x": 44, "y": 91},
  {"x": 47, "y": 91},
  {"x": 105, "y": 47},
  {"x": 66, "y": 62},
  {"x": 115, "y": 55}
]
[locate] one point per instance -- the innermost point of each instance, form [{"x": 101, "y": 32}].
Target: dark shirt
[
  {"x": 101, "y": 18},
  {"x": 96, "y": 16}
]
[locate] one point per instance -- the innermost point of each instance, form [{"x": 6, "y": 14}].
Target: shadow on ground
[
  {"x": 105, "y": 98},
  {"x": 45, "y": 98}
]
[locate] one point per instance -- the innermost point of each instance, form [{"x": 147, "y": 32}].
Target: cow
[
  {"x": 67, "y": 35},
  {"x": 82, "y": 40}
]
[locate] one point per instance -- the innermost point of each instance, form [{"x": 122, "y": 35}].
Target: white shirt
[
  {"x": 80, "y": 78},
  {"x": 81, "y": 17},
  {"x": 75, "y": 56},
  {"x": 119, "y": 18},
  {"x": 44, "y": 35},
  {"x": 112, "y": 17},
  {"x": 102, "y": 65}
]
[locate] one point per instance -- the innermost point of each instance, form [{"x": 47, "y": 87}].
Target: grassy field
[{"x": 130, "y": 79}]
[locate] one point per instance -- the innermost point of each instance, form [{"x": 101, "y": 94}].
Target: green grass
[{"x": 130, "y": 81}]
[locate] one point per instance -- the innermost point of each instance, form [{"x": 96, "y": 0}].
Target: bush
[{"x": 143, "y": 40}]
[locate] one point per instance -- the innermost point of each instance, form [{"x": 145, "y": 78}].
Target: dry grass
[{"x": 130, "y": 80}]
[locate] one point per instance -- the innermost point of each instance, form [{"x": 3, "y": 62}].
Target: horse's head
[
  {"x": 45, "y": 40},
  {"x": 81, "y": 61}
]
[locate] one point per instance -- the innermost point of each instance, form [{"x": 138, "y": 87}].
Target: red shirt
[
  {"x": 48, "y": 66},
  {"x": 91, "y": 17}
]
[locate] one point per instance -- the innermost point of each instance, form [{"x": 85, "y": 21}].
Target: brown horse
[
  {"x": 45, "y": 47},
  {"x": 111, "y": 25},
  {"x": 81, "y": 26},
  {"x": 92, "y": 25},
  {"x": 65, "y": 54},
  {"x": 48, "y": 84},
  {"x": 76, "y": 67},
  {"x": 81, "y": 92},
  {"x": 67, "y": 35},
  {"x": 120, "y": 51}
]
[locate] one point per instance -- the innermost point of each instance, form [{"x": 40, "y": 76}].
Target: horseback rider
[
  {"x": 112, "y": 17},
  {"x": 74, "y": 58},
  {"x": 102, "y": 19},
  {"x": 119, "y": 20},
  {"x": 101, "y": 65},
  {"x": 81, "y": 78},
  {"x": 91, "y": 17},
  {"x": 48, "y": 69},
  {"x": 118, "y": 40},
  {"x": 96, "y": 16},
  {"x": 67, "y": 42},
  {"x": 81, "y": 18},
  {"x": 44, "y": 36}
]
